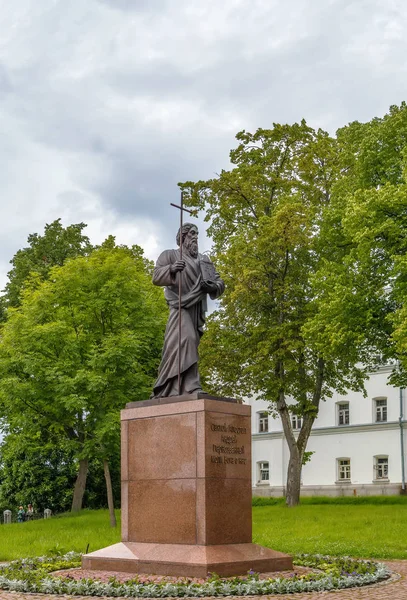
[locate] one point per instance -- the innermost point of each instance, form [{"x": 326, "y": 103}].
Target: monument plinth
[{"x": 186, "y": 491}]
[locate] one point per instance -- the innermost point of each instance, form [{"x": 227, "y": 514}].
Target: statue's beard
[{"x": 191, "y": 247}]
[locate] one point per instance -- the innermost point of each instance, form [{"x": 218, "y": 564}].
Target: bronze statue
[{"x": 179, "y": 363}]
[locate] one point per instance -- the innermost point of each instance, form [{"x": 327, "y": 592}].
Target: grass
[
  {"x": 58, "y": 535},
  {"x": 348, "y": 500},
  {"x": 335, "y": 526},
  {"x": 363, "y": 531}
]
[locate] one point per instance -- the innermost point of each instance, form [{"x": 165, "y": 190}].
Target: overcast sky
[{"x": 107, "y": 104}]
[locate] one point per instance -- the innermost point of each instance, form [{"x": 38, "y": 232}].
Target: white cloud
[{"x": 106, "y": 104}]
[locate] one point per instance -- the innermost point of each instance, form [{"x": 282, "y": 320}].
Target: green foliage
[
  {"x": 267, "y": 219},
  {"x": 327, "y": 574},
  {"x": 36, "y": 471},
  {"x": 80, "y": 346},
  {"x": 261, "y": 501},
  {"x": 33, "y": 571},
  {"x": 40, "y": 469},
  {"x": 307, "y": 457},
  {"x": 336, "y": 566},
  {"x": 334, "y": 500},
  {"x": 310, "y": 236},
  {"x": 262, "y": 215},
  {"x": 95, "y": 494},
  {"x": 362, "y": 288},
  {"x": 44, "y": 252}
]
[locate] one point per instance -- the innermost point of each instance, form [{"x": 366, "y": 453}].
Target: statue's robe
[{"x": 193, "y": 309}]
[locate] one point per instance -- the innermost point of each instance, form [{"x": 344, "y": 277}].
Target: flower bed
[{"x": 324, "y": 573}]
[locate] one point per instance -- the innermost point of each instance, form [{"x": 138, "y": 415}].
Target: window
[
  {"x": 343, "y": 469},
  {"x": 343, "y": 413},
  {"x": 263, "y": 422},
  {"x": 381, "y": 467},
  {"x": 296, "y": 422},
  {"x": 264, "y": 472},
  {"x": 381, "y": 410}
]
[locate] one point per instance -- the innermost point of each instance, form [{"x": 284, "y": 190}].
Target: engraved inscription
[{"x": 230, "y": 450}]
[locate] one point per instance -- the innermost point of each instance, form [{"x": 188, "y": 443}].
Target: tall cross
[{"x": 181, "y": 212}]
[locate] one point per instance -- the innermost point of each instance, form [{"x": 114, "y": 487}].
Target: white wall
[
  {"x": 360, "y": 447},
  {"x": 360, "y": 441}
]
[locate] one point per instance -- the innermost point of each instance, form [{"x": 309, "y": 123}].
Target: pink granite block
[
  {"x": 201, "y": 511},
  {"x": 228, "y": 511},
  {"x": 200, "y": 444},
  {"x": 125, "y": 511},
  {"x": 162, "y": 447},
  {"x": 187, "y": 561},
  {"x": 162, "y": 511},
  {"x": 159, "y": 410},
  {"x": 186, "y": 492},
  {"x": 124, "y": 450}
]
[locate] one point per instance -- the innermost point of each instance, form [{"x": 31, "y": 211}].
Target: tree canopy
[
  {"x": 363, "y": 288},
  {"x": 82, "y": 344},
  {"x": 307, "y": 274},
  {"x": 54, "y": 247}
]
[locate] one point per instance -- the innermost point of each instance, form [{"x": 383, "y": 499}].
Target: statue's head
[{"x": 189, "y": 238}]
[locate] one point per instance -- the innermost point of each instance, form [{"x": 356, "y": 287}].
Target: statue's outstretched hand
[{"x": 179, "y": 265}]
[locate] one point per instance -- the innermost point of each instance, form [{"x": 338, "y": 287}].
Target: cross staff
[{"x": 181, "y": 212}]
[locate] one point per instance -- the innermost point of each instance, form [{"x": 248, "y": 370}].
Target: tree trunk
[
  {"x": 80, "y": 485},
  {"x": 298, "y": 446},
  {"x": 109, "y": 493},
  {"x": 295, "y": 462},
  {"x": 293, "y": 478}
]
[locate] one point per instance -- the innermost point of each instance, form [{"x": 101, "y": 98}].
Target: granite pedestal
[{"x": 186, "y": 492}]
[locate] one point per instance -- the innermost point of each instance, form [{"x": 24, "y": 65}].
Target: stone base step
[{"x": 187, "y": 560}]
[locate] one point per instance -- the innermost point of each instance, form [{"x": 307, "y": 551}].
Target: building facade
[{"x": 357, "y": 444}]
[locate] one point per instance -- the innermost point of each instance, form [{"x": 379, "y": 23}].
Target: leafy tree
[
  {"x": 363, "y": 289},
  {"x": 267, "y": 218},
  {"x": 79, "y": 347},
  {"x": 54, "y": 247},
  {"x": 33, "y": 469},
  {"x": 41, "y": 468},
  {"x": 96, "y": 493}
]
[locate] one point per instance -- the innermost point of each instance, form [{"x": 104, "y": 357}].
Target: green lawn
[
  {"x": 360, "y": 530},
  {"x": 58, "y": 534},
  {"x": 367, "y": 531}
]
